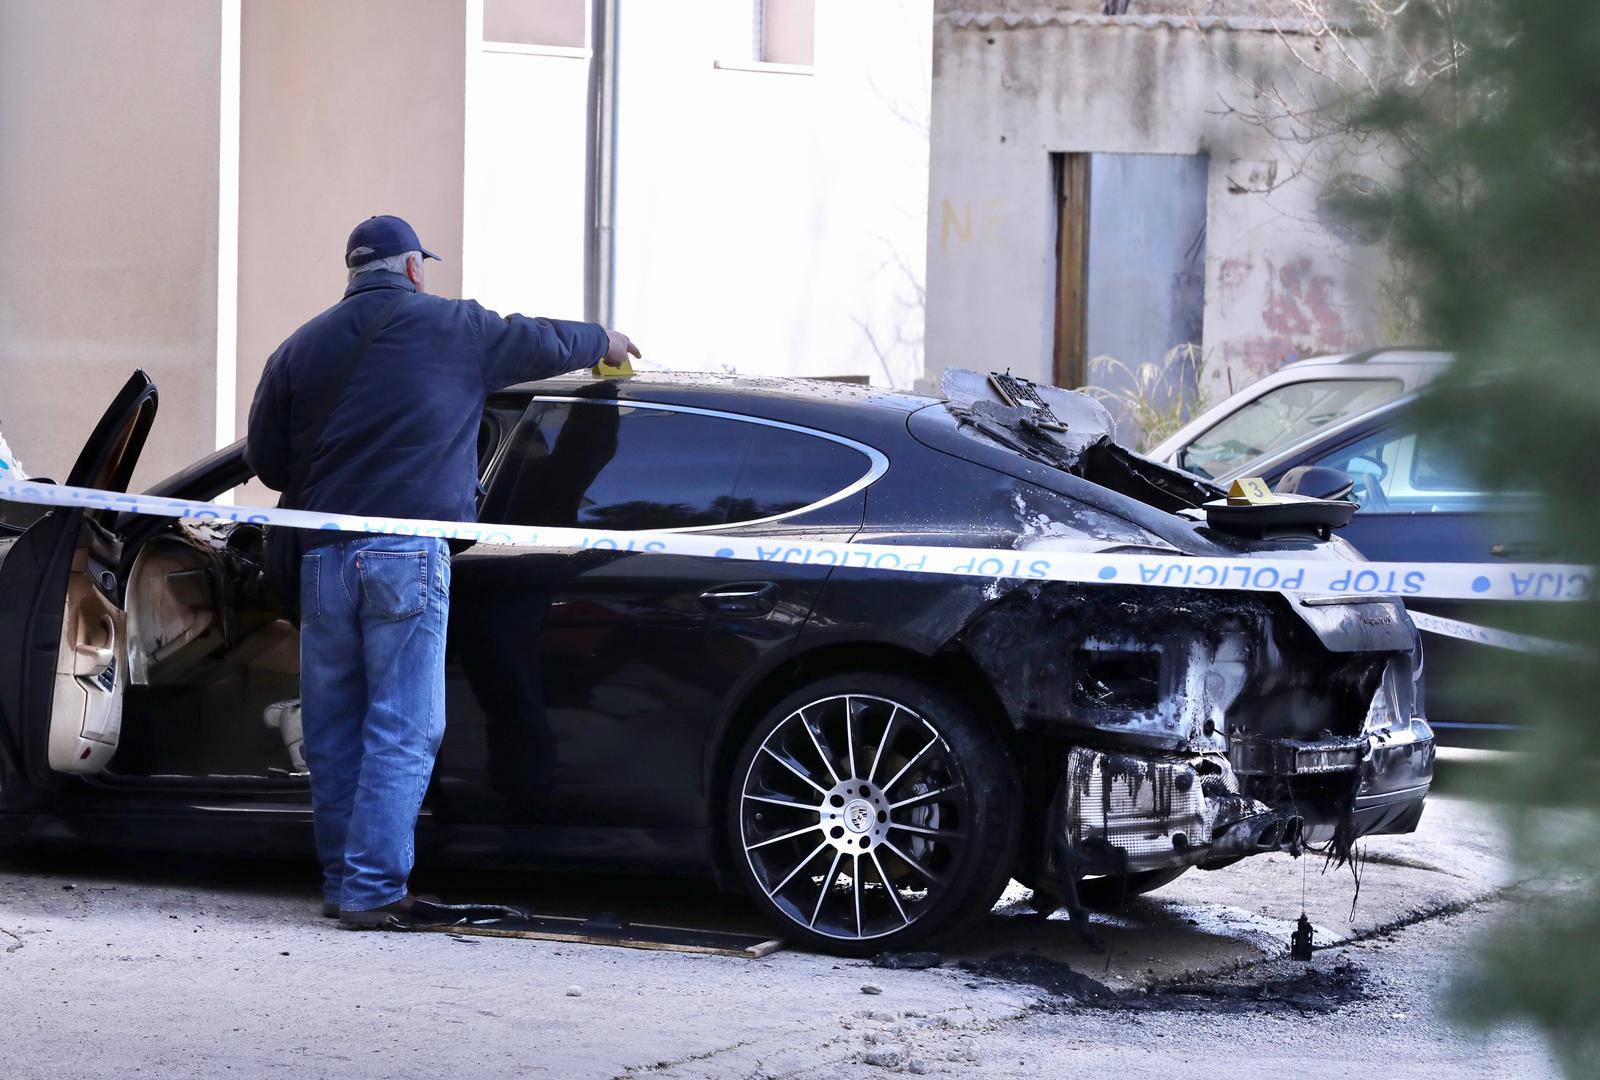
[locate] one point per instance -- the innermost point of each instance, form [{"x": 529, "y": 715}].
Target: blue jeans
[{"x": 373, "y": 614}]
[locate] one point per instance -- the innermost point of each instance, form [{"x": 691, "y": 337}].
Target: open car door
[{"x": 63, "y": 653}]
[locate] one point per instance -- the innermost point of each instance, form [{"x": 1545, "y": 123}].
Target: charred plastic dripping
[{"x": 1192, "y": 728}]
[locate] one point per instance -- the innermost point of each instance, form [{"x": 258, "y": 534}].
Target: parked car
[
  {"x": 871, "y": 755},
  {"x": 1293, "y": 404},
  {"x": 1417, "y": 503}
]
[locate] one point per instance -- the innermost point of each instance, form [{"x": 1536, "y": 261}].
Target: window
[
  {"x": 558, "y": 23},
  {"x": 1280, "y": 418},
  {"x": 626, "y": 467},
  {"x": 16, "y": 517},
  {"x": 786, "y": 470},
  {"x": 497, "y": 421},
  {"x": 767, "y": 32},
  {"x": 786, "y": 31},
  {"x": 1403, "y": 471}
]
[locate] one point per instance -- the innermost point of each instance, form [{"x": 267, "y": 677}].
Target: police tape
[
  {"x": 1267, "y": 572},
  {"x": 1500, "y": 639}
]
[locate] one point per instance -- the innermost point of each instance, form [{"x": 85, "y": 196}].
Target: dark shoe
[
  {"x": 330, "y": 910},
  {"x": 409, "y": 911}
]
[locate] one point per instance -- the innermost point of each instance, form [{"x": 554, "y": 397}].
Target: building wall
[
  {"x": 342, "y": 115},
  {"x": 179, "y": 177},
  {"x": 1016, "y": 82},
  {"x": 109, "y": 165},
  {"x": 770, "y": 222},
  {"x": 526, "y": 151}
]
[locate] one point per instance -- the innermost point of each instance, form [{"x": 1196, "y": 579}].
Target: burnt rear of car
[
  {"x": 1194, "y": 728},
  {"x": 1165, "y": 727}
]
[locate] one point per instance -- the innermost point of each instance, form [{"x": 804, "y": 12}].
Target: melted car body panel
[{"x": 1295, "y": 719}]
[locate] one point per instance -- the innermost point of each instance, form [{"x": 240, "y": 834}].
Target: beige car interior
[
  {"x": 86, "y": 712},
  {"x": 91, "y": 663},
  {"x": 197, "y": 678},
  {"x": 200, "y": 676}
]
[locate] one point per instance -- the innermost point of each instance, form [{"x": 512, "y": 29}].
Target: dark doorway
[{"x": 1131, "y": 238}]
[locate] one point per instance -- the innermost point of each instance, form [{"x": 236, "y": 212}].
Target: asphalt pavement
[{"x": 123, "y": 965}]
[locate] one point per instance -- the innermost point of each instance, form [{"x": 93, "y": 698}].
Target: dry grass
[{"x": 1156, "y": 398}]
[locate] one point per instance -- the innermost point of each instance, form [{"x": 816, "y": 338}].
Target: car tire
[
  {"x": 1108, "y": 893},
  {"x": 870, "y": 812}
]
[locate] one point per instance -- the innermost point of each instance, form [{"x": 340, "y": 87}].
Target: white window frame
[{"x": 756, "y": 62}]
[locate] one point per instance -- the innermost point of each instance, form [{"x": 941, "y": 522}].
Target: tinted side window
[
  {"x": 615, "y": 467},
  {"x": 497, "y": 421},
  {"x": 16, "y": 516},
  {"x": 790, "y": 469},
  {"x": 1402, "y": 470}
]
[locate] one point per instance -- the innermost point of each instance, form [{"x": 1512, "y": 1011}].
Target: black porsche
[{"x": 870, "y": 754}]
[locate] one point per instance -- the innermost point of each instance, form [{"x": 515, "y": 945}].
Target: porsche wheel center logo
[{"x": 858, "y": 816}]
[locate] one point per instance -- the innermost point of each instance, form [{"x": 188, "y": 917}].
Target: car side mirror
[{"x": 1317, "y": 482}]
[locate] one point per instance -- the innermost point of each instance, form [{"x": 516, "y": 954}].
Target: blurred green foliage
[{"x": 1493, "y": 214}]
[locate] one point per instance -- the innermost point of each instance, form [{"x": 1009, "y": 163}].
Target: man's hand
[{"x": 618, "y": 349}]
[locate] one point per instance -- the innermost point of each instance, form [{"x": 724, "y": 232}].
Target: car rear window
[
  {"x": 1280, "y": 418},
  {"x": 633, "y": 467},
  {"x": 786, "y": 470}
]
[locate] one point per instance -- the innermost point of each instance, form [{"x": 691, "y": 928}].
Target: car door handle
[
  {"x": 740, "y": 598},
  {"x": 93, "y": 658},
  {"x": 89, "y": 661},
  {"x": 1520, "y": 549}
]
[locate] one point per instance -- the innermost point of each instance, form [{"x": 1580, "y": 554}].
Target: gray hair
[{"x": 395, "y": 264}]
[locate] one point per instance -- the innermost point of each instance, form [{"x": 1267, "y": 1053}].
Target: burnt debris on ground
[
  {"x": 907, "y": 961},
  {"x": 1311, "y": 989}
]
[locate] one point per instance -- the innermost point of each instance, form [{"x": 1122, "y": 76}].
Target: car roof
[
  {"x": 750, "y": 392},
  {"x": 1413, "y": 367},
  {"x": 1366, "y": 363}
]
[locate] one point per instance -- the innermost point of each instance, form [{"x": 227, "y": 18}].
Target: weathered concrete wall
[
  {"x": 109, "y": 130},
  {"x": 1016, "y": 82}
]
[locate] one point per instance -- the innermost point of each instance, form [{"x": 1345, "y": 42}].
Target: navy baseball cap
[{"x": 379, "y": 237}]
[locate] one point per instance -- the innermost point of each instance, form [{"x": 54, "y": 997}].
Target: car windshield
[{"x": 1280, "y": 417}]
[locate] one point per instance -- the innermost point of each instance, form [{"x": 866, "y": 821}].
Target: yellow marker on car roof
[
  {"x": 603, "y": 370},
  {"x": 1250, "y": 491}
]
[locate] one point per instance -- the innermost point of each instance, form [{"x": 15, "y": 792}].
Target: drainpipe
[{"x": 600, "y": 186}]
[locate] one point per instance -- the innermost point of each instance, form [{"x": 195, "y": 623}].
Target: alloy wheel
[{"x": 854, "y": 816}]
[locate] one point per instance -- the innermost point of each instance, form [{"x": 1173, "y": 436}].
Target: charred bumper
[
  {"x": 1205, "y": 727},
  {"x": 1372, "y": 784},
  {"x": 1121, "y": 811}
]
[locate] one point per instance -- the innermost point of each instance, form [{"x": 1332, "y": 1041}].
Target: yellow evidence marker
[
  {"x": 603, "y": 370},
  {"x": 1250, "y": 491}
]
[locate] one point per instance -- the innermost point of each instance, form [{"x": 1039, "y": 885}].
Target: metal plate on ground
[{"x": 608, "y": 931}]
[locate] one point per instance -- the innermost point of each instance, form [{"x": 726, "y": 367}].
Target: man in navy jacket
[{"x": 400, "y": 441}]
